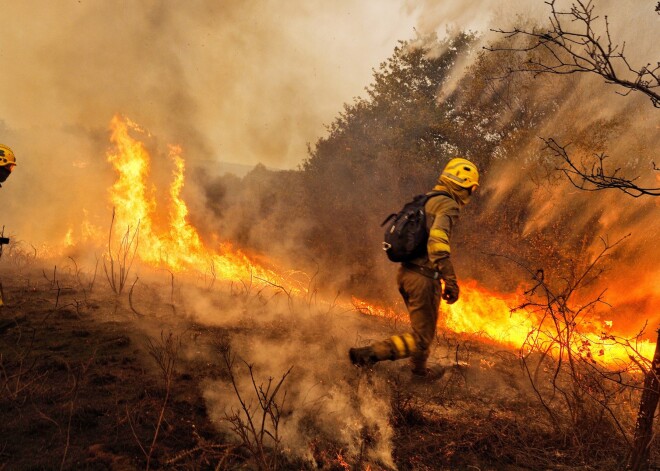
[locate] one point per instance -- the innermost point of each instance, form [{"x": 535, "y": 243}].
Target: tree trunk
[{"x": 639, "y": 456}]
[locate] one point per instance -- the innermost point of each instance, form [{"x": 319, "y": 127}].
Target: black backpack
[{"x": 406, "y": 235}]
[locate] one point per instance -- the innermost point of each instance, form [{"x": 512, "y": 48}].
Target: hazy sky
[
  {"x": 243, "y": 81},
  {"x": 240, "y": 81},
  {"x": 234, "y": 80}
]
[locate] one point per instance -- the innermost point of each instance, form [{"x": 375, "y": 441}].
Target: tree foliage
[{"x": 422, "y": 107}]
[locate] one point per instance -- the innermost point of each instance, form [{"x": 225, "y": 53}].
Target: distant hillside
[{"x": 215, "y": 168}]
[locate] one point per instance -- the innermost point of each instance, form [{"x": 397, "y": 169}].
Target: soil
[
  {"x": 79, "y": 389},
  {"x": 83, "y": 379}
]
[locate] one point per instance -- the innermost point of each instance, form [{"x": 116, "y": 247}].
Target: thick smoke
[
  {"x": 594, "y": 119},
  {"x": 324, "y": 401},
  {"x": 235, "y": 81}
]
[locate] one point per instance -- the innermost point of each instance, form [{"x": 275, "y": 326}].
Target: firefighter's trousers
[{"x": 422, "y": 297}]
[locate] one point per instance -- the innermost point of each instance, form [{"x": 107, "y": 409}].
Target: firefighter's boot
[
  {"x": 418, "y": 363},
  {"x": 369, "y": 356},
  {"x": 364, "y": 356}
]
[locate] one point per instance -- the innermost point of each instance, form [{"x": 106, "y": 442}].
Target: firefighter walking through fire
[{"x": 419, "y": 279}]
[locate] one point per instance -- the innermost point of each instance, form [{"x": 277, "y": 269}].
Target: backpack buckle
[{"x": 386, "y": 246}]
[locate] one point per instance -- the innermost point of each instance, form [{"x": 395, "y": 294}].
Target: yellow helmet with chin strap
[
  {"x": 461, "y": 172},
  {"x": 7, "y": 157}
]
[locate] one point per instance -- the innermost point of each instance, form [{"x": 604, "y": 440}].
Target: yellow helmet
[
  {"x": 462, "y": 172},
  {"x": 7, "y": 158}
]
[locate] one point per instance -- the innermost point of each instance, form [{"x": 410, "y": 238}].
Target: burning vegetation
[{"x": 219, "y": 340}]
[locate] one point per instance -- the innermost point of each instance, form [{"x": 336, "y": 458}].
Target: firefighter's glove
[
  {"x": 447, "y": 274},
  {"x": 450, "y": 293}
]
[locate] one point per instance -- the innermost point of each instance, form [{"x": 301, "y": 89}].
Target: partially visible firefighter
[
  {"x": 7, "y": 164},
  {"x": 424, "y": 264}
]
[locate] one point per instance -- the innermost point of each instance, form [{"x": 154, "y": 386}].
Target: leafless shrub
[
  {"x": 118, "y": 265},
  {"x": 52, "y": 281},
  {"x": 257, "y": 427},
  {"x": 585, "y": 394},
  {"x": 19, "y": 253},
  {"x": 166, "y": 354},
  {"x": 250, "y": 293}
]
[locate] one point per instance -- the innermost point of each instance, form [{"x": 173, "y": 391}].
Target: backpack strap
[
  {"x": 431, "y": 194},
  {"x": 393, "y": 215}
]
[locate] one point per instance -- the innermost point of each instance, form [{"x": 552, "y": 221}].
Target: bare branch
[
  {"x": 592, "y": 176},
  {"x": 572, "y": 45}
]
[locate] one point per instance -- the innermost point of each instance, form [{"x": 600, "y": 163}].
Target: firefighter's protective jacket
[{"x": 441, "y": 215}]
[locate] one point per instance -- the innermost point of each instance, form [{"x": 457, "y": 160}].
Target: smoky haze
[
  {"x": 236, "y": 81},
  {"x": 232, "y": 81}
]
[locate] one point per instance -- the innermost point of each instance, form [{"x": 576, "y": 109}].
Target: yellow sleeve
[{"x": 442, "y": 213}]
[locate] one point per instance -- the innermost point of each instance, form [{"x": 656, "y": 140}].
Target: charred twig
[
  {"x": 166, "y": 354},
  {"x": 96, "y": 268},
  {"x": 76, "y": 380},
  {"x": 137, "y": 439},
  {"x": 52, "y": 281},
  {"x": 23, "y": 376},
  {"x": 130, "y": 298},
  {"x": 593, "y": 176}
]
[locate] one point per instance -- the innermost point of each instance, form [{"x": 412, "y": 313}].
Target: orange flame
[
  {"x": 178, "y": 246},
  {"x": 492, "y": 316}
]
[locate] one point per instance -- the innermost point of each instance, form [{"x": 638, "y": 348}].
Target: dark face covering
[
  {"x": 460, "y": 194},
  {"x": 4, "y": 173}
]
